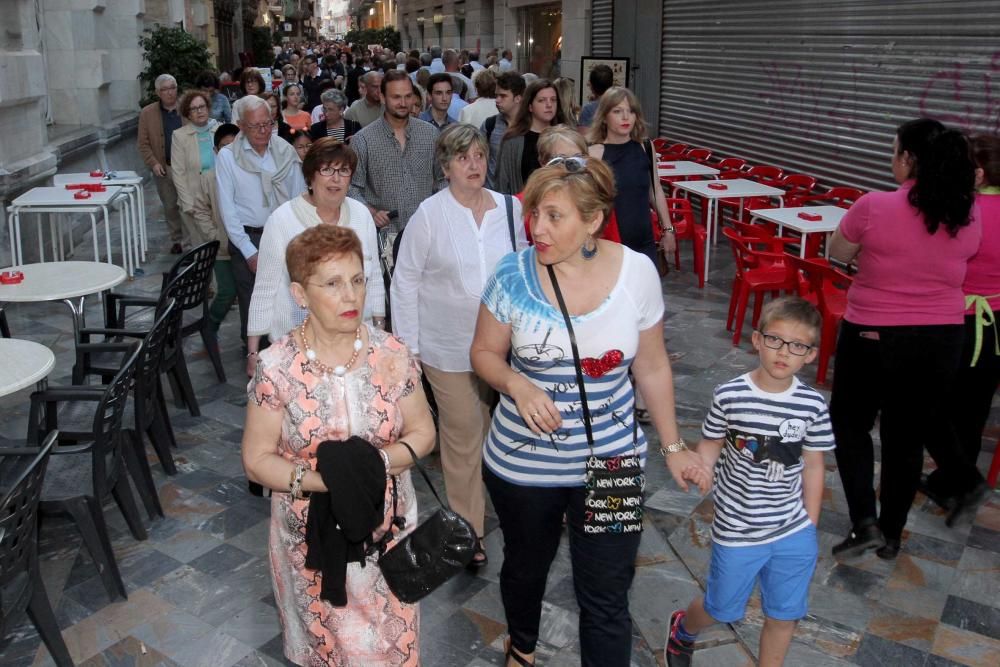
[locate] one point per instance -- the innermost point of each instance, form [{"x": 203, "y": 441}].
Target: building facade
[{"x": 547, "y": 37}]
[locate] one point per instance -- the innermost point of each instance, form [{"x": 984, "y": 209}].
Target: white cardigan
[{"x": 273, "y": 311}]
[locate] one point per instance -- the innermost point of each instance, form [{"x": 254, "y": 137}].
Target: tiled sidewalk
[{"x": 200, "y": 591}]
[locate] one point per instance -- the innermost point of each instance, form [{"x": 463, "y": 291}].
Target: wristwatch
[
  {"x": 673, "y": 448},
  {"x": 669, "y": 229}
]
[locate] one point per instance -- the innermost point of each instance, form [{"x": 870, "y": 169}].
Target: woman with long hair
[
  {"x": 618, "y": 136},
  {"x": 298, "y": 120},
  {"x": 518, "y": 156},
  {"x": 901, "y": 338},
  {"x": 957, "y": 485},
  {"x": 566, "y": 88}
]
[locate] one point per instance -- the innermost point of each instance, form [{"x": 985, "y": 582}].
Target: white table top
[
  {"x": 24, "y": 364},
  {"x": 121, "y": 178},
  {"x": 789, "y": 217},
  {"x": 60, "y": 196},
  {"x": 55, "y": 281},
  {"x": 684, "y": 168},
  {"x": 737, "y": 187}
]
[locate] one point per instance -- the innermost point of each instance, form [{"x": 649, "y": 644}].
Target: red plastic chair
[
  {"x": 685, "y": 229},
  {"x": 757, "y": 271},
  {"x": 660, "y": 144},
  {"x": 763, "y": 174},
  {"x": 796, "y": 187},
  {"x": 699, "y": 155},
  {"x": 826, "y": 287},
  {"x": 731, "y": 167},
  {"x": 674, "y": 152},
  {"x": 839, "y": 196}
]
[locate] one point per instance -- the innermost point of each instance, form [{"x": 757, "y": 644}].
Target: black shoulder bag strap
[
  {"x": 400, "y": 521},
  {"x": 652, "y": 167},
  {"x": 510, "y": 222},
  {"x": 578, "y": 367}
]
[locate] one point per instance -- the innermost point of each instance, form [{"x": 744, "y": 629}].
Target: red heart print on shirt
[{"x": 596, "y": 368}]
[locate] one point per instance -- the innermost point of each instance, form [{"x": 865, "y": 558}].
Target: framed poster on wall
[{"x": 619, "y": 67}]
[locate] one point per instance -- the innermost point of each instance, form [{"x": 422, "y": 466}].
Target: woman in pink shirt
[
  {"x": 957, "y": 485},
  {"x": 901, "y": 339}
]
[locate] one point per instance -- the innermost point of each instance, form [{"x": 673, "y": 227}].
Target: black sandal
[
  {"x": 479, "y": 557},
  {"x": 511, "y": 654}
]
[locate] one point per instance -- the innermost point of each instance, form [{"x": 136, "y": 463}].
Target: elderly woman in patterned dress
[{"x": 331, "y": 378}]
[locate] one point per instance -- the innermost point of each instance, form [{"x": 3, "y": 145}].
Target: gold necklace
[{"x": 339, "y": 371}]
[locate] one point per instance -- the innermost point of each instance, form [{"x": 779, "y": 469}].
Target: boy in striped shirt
[{"x": 765, "y": 435}]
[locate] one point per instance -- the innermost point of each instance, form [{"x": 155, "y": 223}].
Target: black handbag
[
  {"x": 615, "y": 484},
  {"x": 437, "y": 550}
]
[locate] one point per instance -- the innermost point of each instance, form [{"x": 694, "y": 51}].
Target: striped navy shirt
[
  {"x": 608, "y": 338},
  {"x": 758, "y": 478}
]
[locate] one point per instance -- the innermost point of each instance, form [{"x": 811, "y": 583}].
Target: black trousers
[
  {"x": 968, "y": 405},
  {"x": 900, "y": 375},
  {"x": 603, "y": 568},
  {"x": 244, "y": 277}
]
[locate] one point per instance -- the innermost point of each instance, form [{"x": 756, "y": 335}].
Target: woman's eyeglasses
[
  {"x": 777, "y": 342},
  {"x": 343, "y": 172},
  {"x": 199, "y": 107},
  {"x": 572, "y": 164}
]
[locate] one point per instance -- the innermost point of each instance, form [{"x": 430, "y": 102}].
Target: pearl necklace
[{"x": 339, "y": 371}]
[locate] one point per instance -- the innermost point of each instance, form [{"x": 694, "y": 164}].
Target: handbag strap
[
  {"x": 576, "y": 356},
  {"x": 578, "y": 367},
  {"x": 419, "y": 467},
  {"x": 510, "y": 222}
]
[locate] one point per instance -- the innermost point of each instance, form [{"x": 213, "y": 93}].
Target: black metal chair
[
  {"x": 150, "y": 416},
  {"x": 21, "y": 587},
  {"x": 203, "y": 259},
  {"x": 92, "y": 358},
  {"x": 88, "y": 466}
]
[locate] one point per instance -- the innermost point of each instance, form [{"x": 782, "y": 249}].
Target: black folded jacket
[{"x": 340, "y": 523}]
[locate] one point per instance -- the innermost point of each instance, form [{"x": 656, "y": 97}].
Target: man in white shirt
[
  {"x": 255, "y": 174},
  {"x": 505, "y": 61},
  {"x": 368, "y": 109},
  {"x": 462, "y": 84},
  {"x": 485, "y": 104},
  {"x": 436, "y": 64}
]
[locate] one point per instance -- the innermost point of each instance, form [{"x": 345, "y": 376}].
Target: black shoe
[
  {"x": 862, "y": 538},
  {"x": 968, "y": 504},
  {"x": 176, "y": 249},
  {"x": 942, "y": 501},
  {"x": 677, "y": 651},
  {"x": 889, "y": 550},
  {"x": 479, "y": 557}
]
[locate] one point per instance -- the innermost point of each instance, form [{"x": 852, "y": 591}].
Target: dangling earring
[{"x": 589, "y": 253}]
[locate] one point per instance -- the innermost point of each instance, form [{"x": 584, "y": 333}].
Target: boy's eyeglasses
[
  {"x": 776, "y": 343},
  {"x": 571, "y": 164}
]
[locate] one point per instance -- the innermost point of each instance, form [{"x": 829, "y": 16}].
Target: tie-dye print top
[{"x": 607, "y": 338}]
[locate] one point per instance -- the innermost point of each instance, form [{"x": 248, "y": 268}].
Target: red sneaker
[{"x": 677, "y": 652}]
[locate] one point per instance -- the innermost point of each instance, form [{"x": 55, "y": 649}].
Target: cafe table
[
  {"x": 70, "y": 282},
  {"x": 60, "y": 200},
  {"x": 684, "y": 169},
  {"x": 713, "y": 191},
  {"x": 24, "y": 364},
  {"x": 803, "y": 220},
  {"x": 131, "y": 183}
]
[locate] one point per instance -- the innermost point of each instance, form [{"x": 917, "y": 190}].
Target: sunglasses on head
[{"x": 571, "y": 164}]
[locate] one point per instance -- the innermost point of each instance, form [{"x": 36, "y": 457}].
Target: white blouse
[
  {"x": 444, "y": 262},
  {"x": 273, "y": 311}
]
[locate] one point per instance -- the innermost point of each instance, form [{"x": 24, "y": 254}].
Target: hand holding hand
[{"x": 687, "y": 466}]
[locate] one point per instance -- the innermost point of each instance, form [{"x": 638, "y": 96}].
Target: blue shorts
[{"x": 785, "y": 568}]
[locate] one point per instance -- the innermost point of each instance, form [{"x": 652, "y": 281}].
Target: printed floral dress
[{"x": 375, "y": 628}]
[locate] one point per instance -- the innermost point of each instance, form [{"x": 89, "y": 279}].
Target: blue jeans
[{"x": 603, "y": 568}]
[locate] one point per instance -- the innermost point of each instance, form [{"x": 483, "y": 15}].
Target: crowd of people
[{"x": 524, "y": 296}]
